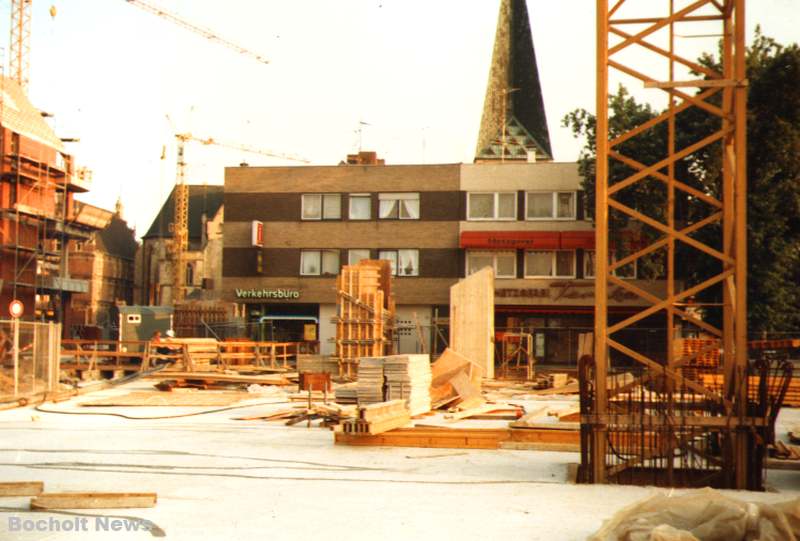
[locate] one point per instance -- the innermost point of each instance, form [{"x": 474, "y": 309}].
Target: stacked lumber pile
[
  {"x": 347, "y": 393},
  {"x": 378, "y": 418},
  {"x": 706, "y": 353},
  {"x": 455, "y": 380},
  {"x": 317, "y": 364},
  {"x": 365, "y": 313},
  {"x": 408, "y": 377},
  {"x": 370, "y": 380},
  {"x": 792, "y": 398}
]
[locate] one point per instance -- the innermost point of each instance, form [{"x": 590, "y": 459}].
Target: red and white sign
[
  {"x": 16, "y": 308},
  {"x": 257, "y": 234}
]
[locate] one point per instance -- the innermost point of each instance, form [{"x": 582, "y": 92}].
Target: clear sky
[{"x": 414, "y": 70}]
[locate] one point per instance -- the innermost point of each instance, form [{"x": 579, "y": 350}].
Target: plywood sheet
[{"x": 472, "y": 319}]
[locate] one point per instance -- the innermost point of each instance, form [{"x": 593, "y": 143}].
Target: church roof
[{"x": 513, "y": 110}]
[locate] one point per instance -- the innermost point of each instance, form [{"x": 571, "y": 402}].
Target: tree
[{"x": 773, "y": 169}]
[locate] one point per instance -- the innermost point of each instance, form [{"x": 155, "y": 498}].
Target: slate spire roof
[{"x": 513, "y": 102}]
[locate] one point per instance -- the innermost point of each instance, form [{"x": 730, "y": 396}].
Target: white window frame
[
  {"x": 553, "y": 265},
  {"x": 554, "y": 215},
  {"x": 613, "y": 258},
  {"x": 493, "y": 254},
  {"x": 322, "y": 197},
  {"x": 399, "y": 196},
  {"x": 495, "y": 210},
  {"x": 351, "y": 250},
  {"x": 397, "y": 251},
  {"x": 350, "y": 198},
  {"x": 321, "y": 252}
]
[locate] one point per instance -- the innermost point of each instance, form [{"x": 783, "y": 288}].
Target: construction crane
[
  {"x": 205, "y": 32},
  {"x": 181, "y": 222},
  {"x": 20, "y": 46}
]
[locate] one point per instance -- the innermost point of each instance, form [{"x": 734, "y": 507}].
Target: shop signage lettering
[
  {"x": 510, "y": 243},
  {"x": 564, "y": 291},
  {"x": 267, "y": 293}
]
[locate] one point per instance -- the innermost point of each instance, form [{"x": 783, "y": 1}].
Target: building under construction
[{"x": 40, "y": 220}]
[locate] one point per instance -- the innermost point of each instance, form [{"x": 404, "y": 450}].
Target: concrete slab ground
[{"x": 225, "y": 479}]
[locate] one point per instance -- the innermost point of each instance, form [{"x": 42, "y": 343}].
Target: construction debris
[{"x": 455, "y": 379}]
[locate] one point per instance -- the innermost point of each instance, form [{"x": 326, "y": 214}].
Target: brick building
[{"x": 106, "y": 262}]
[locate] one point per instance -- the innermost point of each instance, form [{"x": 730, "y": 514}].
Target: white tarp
[{"x": 702, "y": 515}]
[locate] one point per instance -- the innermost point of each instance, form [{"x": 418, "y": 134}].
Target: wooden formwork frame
[
  {"x": 729, "y": 209},
  {"x": 365, "y": 314}
]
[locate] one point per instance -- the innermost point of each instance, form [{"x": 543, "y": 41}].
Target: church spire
[{"x": 513, "y": 124}]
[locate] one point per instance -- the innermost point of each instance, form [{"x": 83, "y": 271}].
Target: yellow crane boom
[{"x": 205, "y": 32}]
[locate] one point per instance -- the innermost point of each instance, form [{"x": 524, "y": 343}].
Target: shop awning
[{"x": 531, "y": 240}]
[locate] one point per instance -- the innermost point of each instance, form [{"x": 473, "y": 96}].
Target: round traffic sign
[{"x": 16, "y": 308}]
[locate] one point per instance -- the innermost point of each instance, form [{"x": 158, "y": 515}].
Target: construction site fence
[{"x": 29, "y": 358}]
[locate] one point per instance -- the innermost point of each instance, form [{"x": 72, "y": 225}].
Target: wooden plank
[
  {"x": 21, "y": 488},
  {"x": 267, "y": 379},
  {"x": 467, "y": 413},
  {"x": 472, "y": 319},
  {"x": 160, "y": 398},
  {"x": 94, "y": 500},
  {"x": 453, "y": 438}
]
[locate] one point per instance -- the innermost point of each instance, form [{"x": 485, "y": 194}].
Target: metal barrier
[{"x": 29, "y": 358}]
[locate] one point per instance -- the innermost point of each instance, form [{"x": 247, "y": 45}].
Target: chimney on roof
[{"x": 365, "y": 157}]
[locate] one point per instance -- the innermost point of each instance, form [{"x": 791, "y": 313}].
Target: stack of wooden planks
[
  {"x": 370, "y": 380},
  {"x": 316, "y": 363},
  {"x": 792, "y": 398},
  {"x": 408, "y": 377},
  {"x": 378, "y": 418},
  {"x": 347, "y": 393}
]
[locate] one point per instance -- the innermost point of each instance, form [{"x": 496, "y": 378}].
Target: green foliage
[{"x": 773, "y": 169}]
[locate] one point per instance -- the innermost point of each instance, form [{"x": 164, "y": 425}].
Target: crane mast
[
  {"x": 180, "y": 229},
  {"x": 20, "y": 46}
]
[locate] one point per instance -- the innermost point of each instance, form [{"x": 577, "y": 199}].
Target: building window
[
  {"x": 550, "y": 264},
  {"x": 503, "y": 263},
  {"x": 360, "y": 206},
  {"x": 189, "y": 274},
  {"x": 354, "y": 256},
  {"x": 492, "y": 206},
  {"x": 404, "y": 262},
  {"x": 626, "y": 271},
  {"x": 588, "y": 263},
  {"x": 398, "y": 206},
  {"x": 550, "y": 206},
  {"x": 318, "y": 206},
  {"x": 319, "y": 262}
]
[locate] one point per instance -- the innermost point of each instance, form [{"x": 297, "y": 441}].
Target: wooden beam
[
  {"x": 696, "y": 83},
  {"x": 94, "y": 500},
  {"x": 21, "y": 488}
]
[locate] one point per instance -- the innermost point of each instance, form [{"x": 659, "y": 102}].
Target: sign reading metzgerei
[{"x": 279, "y": 294}]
